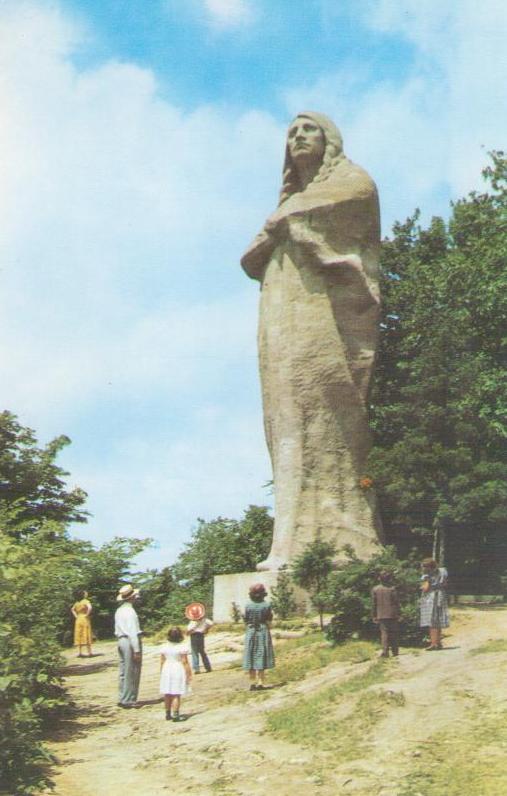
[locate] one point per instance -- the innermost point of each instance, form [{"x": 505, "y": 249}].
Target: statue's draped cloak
[{"x": 317, "y": 262}]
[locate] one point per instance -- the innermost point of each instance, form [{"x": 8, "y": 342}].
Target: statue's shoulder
[
  {"x": 347, "y": 182},
  {"x": 354, "y": 177}
]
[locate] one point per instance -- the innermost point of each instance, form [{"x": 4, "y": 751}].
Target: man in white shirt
[
  {"x": 197, "y": 629},
  {"x": 128, "y": 633}
]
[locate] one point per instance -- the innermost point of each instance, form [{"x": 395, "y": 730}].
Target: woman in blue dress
[
  {"x": 258, "y": 653},
  {"x": 433, "y": 603}
]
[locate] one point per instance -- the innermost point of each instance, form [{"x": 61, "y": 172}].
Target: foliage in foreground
[
  {"x": 349, "y": 595},
  {"x": 38, "y": 578},
  {"x": 30, "y": 687},
  {"x": 40, "y": 569}
]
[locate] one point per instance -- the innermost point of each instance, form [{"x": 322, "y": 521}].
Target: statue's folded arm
[{"x": 257, "y": 255}]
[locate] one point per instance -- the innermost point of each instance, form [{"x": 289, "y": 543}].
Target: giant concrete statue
[{"x": 317, "y": 263}]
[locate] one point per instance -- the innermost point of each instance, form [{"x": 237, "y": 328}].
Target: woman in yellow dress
[{"x": 81, "y": 611}]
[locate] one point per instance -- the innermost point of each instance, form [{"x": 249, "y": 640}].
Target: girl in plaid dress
[{"x": 433, "y": 602}]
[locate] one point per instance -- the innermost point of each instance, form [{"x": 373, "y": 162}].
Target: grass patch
[
  {"x": 330, "y": 721},
  {"x": 296, "y": 657},
  {"x": 471, "y": 759},
  {"x": 223, "y": 786},
  {"x": 497, "y": 645}
]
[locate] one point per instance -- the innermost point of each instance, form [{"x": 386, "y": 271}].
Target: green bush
[
  {"x": 283, "y": 601},
  {"x": 41, "y": 568},
  {"x": 33, "y": 597},
  {"x": 311, "y": 570},
  {"x": 38, "y": 579},
  {"x": 349, "y": 596}
]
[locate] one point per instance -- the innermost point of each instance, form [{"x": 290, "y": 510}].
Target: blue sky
[
  {"x": 142, "y": 145},
  {"x": 241, "y": 59}
]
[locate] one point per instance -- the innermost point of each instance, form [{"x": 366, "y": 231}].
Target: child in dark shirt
[{"x": 386, "y": 613}]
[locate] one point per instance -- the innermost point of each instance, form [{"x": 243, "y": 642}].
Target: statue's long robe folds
[{"x": 317, "y": 262}]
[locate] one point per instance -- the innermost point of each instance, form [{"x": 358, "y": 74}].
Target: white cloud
[
  {"x": 230, "y": 13},
  {"x": 422, "y": 133},
  {"x": 125, "y": 319},
  {"x": 465, "y": 42},
  {"x": 163, "y": 495}
]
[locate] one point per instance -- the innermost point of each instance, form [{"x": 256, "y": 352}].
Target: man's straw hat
[{"x": 126, "y": 592}]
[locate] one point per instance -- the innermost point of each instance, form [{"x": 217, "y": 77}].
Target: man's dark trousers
[
  {"x": 197, "y": 647},
  {"x": 389, "y": 631}
]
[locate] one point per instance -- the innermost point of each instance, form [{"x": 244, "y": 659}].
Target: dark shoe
[
  {"x": 168, "y": 716},
  {"x": 254, "y": 687},
  {"x": 177, "y": 717},
  {"x": 208, "y": 671},
  {"x": 197, "y": 672}
]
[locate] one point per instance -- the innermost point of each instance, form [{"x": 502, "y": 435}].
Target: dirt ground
[{"x": 223, "y": 748}]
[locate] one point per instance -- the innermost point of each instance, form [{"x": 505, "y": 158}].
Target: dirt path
[{"x": 222, "y": 748}]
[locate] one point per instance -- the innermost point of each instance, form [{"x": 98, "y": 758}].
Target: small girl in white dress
[{"x": 175, "y": 673}]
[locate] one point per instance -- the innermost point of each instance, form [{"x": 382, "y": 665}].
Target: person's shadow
[
  {"x": 142, "y": 703},
  {"x": 79, "y": 669}
]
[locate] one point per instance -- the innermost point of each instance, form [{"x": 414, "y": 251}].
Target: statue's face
[{"x": 305, "y": 140}]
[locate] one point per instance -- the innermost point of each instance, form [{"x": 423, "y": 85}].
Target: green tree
[
  {"x": 32, "y": 486},
  {"x": 439, "y": 405},
  {"x": 282, "y": 595},
  {"x": 311, "y": 570},
  {"x": 156, "y": 587},
  {"x": 220, "y": 547},
  {"x": 102, "y": 570}
]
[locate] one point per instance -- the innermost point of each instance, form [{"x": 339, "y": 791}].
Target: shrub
[
  {"x": 282, "y": 595},
  {"x": 349, "y": 595},
  {"x": 38, "y": 579},
  {"x": 33, "y": 596},
  {"x": 311, "y": 570}
]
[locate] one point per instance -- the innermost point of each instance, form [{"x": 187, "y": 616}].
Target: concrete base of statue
[{"x": 229, "y": 589}]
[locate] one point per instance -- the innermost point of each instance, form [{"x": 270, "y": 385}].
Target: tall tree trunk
[
  {"x": 436, "y": 539},
  {"x": 439, "y": 542}
]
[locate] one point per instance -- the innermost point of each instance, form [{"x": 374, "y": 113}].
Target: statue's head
[
  {"x": 310, "y": 136},
  {"x": 305, "y": 141}
]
